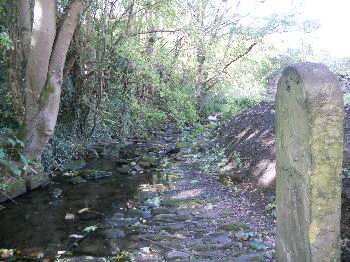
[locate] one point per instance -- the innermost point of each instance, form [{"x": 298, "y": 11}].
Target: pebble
[
  {"x": 115, "y": 233},
  {"x": 69, "y": 216},
  {"x": 57, "y": 193},
  {"x": 251, "y": 257},
  {"x": 257, "y": 245},
  {"x": 76, "y": 236},
  {"x": 145, "y": 250}
]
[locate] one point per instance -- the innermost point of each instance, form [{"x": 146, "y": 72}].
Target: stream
[
  {"x": 155, "y": 200},
  {"x": 94, "y": 213}
]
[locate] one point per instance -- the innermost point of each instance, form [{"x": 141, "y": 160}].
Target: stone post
[{"x": 309, "y": 153}]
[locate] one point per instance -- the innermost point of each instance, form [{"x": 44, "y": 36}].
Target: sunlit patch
[
  {"x": 243, "y": 133},
  {"x": 188, "y": 194},
  {"x": 37, "y": 20},
  {"x": 252, "y": 135},
  {"x": 266, "y": 169},
  {"x": 152, "y": 188},
  {"x": 268, "y": 142}
]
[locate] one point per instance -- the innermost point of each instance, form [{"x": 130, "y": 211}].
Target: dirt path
[{"x": 201, "y": 219}]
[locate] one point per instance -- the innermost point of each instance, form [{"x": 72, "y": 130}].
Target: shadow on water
[{"x": 37, "y": 224}]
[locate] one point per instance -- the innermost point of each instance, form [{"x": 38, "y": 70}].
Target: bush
[
  {"x": 179, "y": 105},
  {"x": 61, "y": 148},
  {"x": 12, "y": 162},
  {"x": 145, "y": 117},
  {"x": 238, "y": 105}
]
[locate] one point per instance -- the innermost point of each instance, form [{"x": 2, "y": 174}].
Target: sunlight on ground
[
  {"x": 188, "y": 194},
  {"x": 266, "y": 168}
]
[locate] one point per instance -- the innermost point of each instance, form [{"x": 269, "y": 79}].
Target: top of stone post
[{"x": 320, "y": 84}]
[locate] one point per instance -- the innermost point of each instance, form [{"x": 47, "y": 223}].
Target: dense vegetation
[{"x": 133, "y": 65}]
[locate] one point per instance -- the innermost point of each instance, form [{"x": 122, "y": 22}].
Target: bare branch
[
  {"x": 223, "y": 70},
  {"x": 156, "y": 31},
  {"x": 240, "y": 56}
]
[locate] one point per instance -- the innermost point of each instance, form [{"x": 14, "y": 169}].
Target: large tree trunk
[
  {"x": 44, "y": 72},
  {"x": 21, "y": 36}
]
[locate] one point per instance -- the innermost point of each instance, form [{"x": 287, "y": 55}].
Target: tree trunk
[
  {"x": 44, "y": 72},
  {"x": 21, "y": 36}
]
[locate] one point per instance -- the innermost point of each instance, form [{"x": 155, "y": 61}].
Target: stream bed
[
  {"x": 91, "y": 213},
  {"x": 142, "y": 201}
]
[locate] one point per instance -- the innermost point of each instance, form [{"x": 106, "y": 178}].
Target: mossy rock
[
  {"x": 74, "y": 165},
  {"x": 21, "y": 186},
  {"x": 183, "y": 203},
  {"x": 234, "y": 226},
  {"x": 14, "y": 189},
  {"x": 148, "y": 161},
  {"x": 170, "y": 202}
]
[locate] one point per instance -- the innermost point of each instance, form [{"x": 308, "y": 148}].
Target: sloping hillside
[{"x": 249, "y": 138}]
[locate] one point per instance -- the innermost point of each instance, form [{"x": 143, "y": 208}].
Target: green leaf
[
  {"x": 25, "y": 161},
  {"x": 19, "y": 142},
  {"x": 7, "y": 141},
  {"x": 13, "y": 168},
  {"x": 2, "y": 153}
]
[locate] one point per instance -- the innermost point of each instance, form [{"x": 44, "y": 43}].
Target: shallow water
[{"x": 36, "y": 225}]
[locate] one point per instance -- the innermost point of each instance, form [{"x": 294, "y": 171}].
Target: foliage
[
  {"x": 237, "y": 158},
  {"x": 346, "y": 99},
  {"x": 62, "y": 148},
  {"x": 238, "y": 105},
  {"x": 134, "y": 65},
  {"x": 7, "y": 116},
  {"x": 11, "y": 159}
]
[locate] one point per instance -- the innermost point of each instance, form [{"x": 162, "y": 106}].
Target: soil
[{"x": 251, "y": 135}]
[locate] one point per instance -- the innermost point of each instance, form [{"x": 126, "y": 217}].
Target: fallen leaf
[
  {"x": 83, "y": 210},
  {"x": 90, "y": 229}
]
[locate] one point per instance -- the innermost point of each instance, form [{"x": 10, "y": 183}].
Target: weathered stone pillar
[{"x": 309, "y": 152}]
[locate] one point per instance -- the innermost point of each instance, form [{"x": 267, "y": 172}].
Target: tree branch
[
  {"x": 223, "y": 70},
  {"x": 156, "y": 31},
  {"x": 64, "y": 37},
  {"x": 240, "y": 56}
]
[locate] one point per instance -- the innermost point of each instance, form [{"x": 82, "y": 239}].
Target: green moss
[
  {"x": 183, "y": 203},
  {"x": 234, "y": 226},
  {"x": 45, "y": 94}
]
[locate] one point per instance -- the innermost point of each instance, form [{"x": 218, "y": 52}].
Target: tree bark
[
  {"x": 44, "y": 72},
  {"x": 21, "y": 35}
]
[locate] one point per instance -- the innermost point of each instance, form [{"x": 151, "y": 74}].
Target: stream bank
[{"x": 164, "y": 200}]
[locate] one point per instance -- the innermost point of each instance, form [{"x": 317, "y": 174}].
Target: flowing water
[{"x": 96, "y": 217}]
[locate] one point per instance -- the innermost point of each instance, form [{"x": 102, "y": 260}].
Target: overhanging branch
[{"x": 223, "y": 70}]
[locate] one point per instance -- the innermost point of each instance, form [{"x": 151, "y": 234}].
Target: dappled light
[
  {"x": 188, "y": 194},
  {"x": 192, "y": 130},
  {"x": 37, "y": 20}
]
